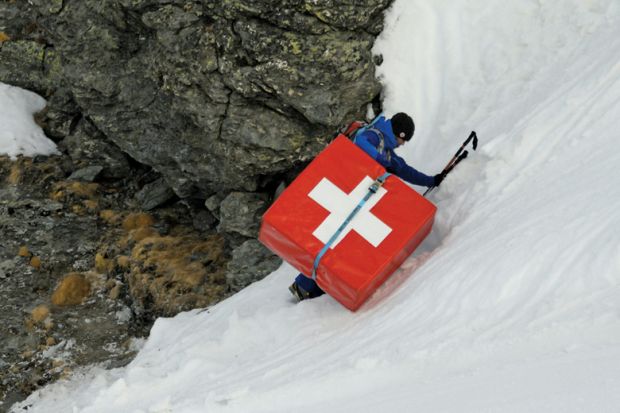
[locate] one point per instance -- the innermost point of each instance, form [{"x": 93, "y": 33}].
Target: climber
[{"x": 378, "y": 139}]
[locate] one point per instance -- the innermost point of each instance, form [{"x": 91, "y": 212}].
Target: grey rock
[
  {"x": 279, "y": 189},
  {"x": 316, "y": 16},
  {"x": 82, "y": 265},
  {"x": 85, "y": 247},
  {"x": 20, "y": 65},
  {"x": 171, "y": 17},
  {"x": 213, "y": 204},
  {"x": 203, "y": 220},
  {"x": 154, "y": 194},
  {"x": 88, "y": 174},
  {"x": 61, "y": 114},
  {"x": 366, "y": 15},
  {"x": 240, "y": 212},
  {"x": 13, "y": 17},
  {"x": 7, "y": 266},
  {"x": 294, "y": 68},
  {"x": 88, "y": 146},
  {"x": 251, "y": 125},
  {"x": 51, "y": 207},
  {"x": 250, "y": 262},
  {"x": 48, "y": 6}
]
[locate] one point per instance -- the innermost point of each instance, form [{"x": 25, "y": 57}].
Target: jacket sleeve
[{"x": 399, "y": 167}]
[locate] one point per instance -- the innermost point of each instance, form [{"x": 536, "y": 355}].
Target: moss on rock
[{"x": 73, "y": 289}]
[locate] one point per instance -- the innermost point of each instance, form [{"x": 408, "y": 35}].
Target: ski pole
[
  {"x": 457, "y": 158},
  {"x": 471, "y": 136},
  {"x": 456, "y": 162}
]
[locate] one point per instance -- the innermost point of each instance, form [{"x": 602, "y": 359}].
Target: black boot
[{"x": 298, "y": 292}]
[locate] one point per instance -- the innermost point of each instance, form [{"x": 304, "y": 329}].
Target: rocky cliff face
[
  {"x": 222, "y": 99},
  {"x": 215, "y": 95},
  {"x": 194, "y": 110}
]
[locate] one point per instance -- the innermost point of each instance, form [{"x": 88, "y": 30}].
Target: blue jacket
[{"x": 370, "y": 142}]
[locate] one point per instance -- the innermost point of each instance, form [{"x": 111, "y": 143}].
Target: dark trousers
[{"x": 308, "y": 285}]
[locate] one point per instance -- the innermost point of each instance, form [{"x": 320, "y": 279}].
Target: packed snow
[
  {"x": 19, "y": 134},
  {"x": 513, "y": 302}
]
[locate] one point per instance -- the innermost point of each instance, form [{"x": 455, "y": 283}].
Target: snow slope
[
  {"x": 19, "y": 134},
  {"x": 513, "y": 302}
]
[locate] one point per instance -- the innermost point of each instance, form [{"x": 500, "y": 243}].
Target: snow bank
[
  {"x": 513, "y": 304},
  {"x": 19, "y": 134}
]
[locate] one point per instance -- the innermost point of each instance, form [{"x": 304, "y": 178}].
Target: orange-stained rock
[
  {"x": 109, "y": 216},
  {"x": 102, "y": 264},
  {"x": 35, "y": 262},
  {"x": 72, "y": 290},
  {"x": 137, "y": 220},
  {"x": 40, "y": 313},
  {"x": 123, "y": 261}
]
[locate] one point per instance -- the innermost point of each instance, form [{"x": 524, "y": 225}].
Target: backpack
[
  {"x": 357, "y": 126},
  {"x": 354, "y": 127}
]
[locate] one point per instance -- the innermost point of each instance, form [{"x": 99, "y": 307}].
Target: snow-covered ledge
[{"x": 19, "y": 133}]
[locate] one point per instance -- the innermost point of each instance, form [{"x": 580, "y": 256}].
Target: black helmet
[{"x": 402, "y": 126}]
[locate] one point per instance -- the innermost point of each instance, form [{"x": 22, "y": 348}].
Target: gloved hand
[{"x": 439, "y": 178}]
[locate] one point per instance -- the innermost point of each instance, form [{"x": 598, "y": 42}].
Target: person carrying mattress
[{"x": 378, "y": 139}]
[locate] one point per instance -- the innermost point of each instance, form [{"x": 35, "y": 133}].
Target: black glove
[{"x": 439, "y": 178}]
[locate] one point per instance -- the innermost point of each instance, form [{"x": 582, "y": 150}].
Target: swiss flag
[{"x": 386, "y": 230}]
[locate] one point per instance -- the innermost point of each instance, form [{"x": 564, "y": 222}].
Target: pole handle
[{"x": 458, "y": 157}]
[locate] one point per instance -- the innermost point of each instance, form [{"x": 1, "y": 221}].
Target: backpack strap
[
  {"x": 381, "y": 147},
  {"x": 357, "y": 127}
]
